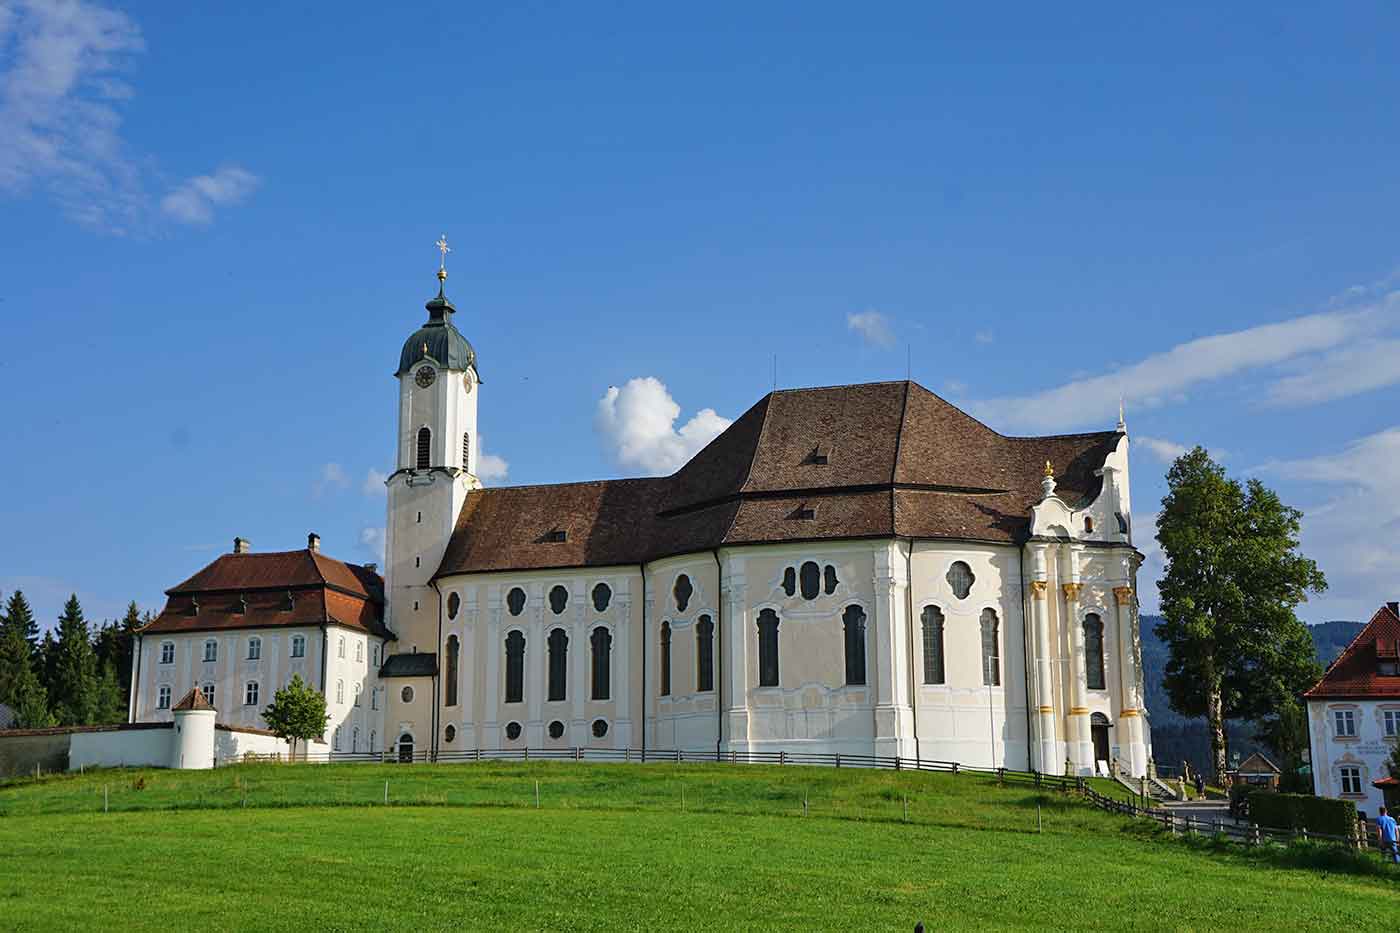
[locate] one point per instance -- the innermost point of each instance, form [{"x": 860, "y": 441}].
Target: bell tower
[{"x": 435, "y": 465}]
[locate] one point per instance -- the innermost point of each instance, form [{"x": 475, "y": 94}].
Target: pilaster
[{"x": 1130, "y": 703}]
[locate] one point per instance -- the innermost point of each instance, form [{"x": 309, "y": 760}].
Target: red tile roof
[
  {"x": 875, "y": 460},
  {"x": 194, "y": 700},
  {"x": 1356, "y": 673},
  {"x": 274, "y": 589}
]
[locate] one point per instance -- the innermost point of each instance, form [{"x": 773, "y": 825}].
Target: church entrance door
[
  {"x": 1100, "y": 734},
  {"x": 405, "y": 749}
]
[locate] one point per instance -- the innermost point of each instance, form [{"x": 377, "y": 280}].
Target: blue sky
[{"x": 218, "y": 225}]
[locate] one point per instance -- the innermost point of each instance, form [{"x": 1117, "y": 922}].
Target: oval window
[
  {"x": 407, "y": 694},
  {"x": 449, "y": 733},
  {"x": 515, "y": 601},
  {"x": 811, "y": 579},
  {"x": 960, "y": 578},
  {"x": 831, "y": 580},
  {"x": 556, "y": 730},
  {"x": 683, "y": 592},
  {"x": 512, "y": 730},
  {"x": 558, "y": 600},
  {"x": 602, "y": 597},
  {"x": 600, "y": 728},
  {"x": 790, "y": 581},
  {"x": 454, "y": 603}
]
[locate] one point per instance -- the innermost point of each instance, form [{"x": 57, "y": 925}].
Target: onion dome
[{"x": 438, "y": 340}]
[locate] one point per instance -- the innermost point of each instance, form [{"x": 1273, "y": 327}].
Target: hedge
[{"x": 1321, "y": 815}]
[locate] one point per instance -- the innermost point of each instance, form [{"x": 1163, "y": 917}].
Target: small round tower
[{"x": 192, "y": 745}]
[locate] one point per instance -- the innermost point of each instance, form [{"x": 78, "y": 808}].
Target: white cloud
[
  {"x": 637, "y": 424},
  {"x": 1163, "y": 378},
  {"x": 491, "y": 468},
  {"x": 332, "y": 478},
  {"x": 193, "y": 202},
  {"x": 1372, "y": 365},
  {"x": 984, "y": 336},
  {"x": 1352, "y": 530},
  {"x": 1163, "y": 450},
  {"x": 374, "y": 482},
  {"x": 61, "y": 66},
  {"x": 873, "y": 327},
  {"x": 372, "y": 543}
]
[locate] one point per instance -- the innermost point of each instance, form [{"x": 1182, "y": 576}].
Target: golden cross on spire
[{"x": 443, "y": 248}]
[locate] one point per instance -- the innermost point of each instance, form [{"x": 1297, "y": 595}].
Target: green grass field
[{"x": 623, "y": 847}]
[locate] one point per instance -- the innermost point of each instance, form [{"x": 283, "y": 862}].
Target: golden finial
[
  {"x": 1049, "y": 470},
  {"x": 443, "y": 248}
]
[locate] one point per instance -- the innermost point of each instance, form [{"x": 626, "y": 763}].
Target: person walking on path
[
  {"x": 1200, "y": 785},
  {"x": 1385, "y": 835}
]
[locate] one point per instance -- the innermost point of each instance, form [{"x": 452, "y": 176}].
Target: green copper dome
[{"x": 439, "y": 340}]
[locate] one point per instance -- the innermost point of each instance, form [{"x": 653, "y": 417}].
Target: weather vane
[{"x": 443, "y": 248}]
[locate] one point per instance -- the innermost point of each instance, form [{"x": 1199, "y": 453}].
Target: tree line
[{"x": 75, "y": 675}]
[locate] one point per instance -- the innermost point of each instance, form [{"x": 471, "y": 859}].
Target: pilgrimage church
[{"x": 860, "y": 569}]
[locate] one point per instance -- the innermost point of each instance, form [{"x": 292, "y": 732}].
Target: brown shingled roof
[
  {"x": 1356, "y": 672},
  {"x": 194, "y": 700},
  {"x": 874, "y": 460},
  {"x": 275, "y": 589}
]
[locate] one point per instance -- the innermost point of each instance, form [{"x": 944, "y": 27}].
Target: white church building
[{"x": 859, "y": 569}]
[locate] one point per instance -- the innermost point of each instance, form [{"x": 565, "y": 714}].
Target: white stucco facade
[{"x": 1351, "y": 742}]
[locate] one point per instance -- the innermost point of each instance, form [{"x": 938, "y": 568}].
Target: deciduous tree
[
  {"x": 297, "y": 713},
  {"x": 1232, "y": 582}
]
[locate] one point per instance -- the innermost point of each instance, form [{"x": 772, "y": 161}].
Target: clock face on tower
[{"x": 424, "y": 377}]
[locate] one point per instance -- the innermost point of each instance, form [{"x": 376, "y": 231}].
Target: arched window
[
  {"x": 466, "y": 451},
  {"x": 991, "y": 652},
  {"x": 340, "y": 691},
  {"x": 704, "y": 655},
  {"x": 853, "y": 621},
  {"x": 1093, "y": 651},
  {"x": 454, "y": 605},
  {"x": 340, "y": 647},
  {"x": 933, "y": 645},
  {"x": 960, "y": 579},
  {"x": 558, "y": 600},
  {"x": 515, "y": 667},
  {"x": 810, "y": 577},
  {"x": 558, "y": 663},
  {"x": 602, "y": 663},
  {"x": 454, "y": 648},
  {"x": 335, "y": 739},
  {"x": 356, "y": 693},
  {"x": 359, "y": 651},
  {"x": 515, "y": 601},
  {"x": 163, "y": 697},
  {"x": 254, "y": 648},
  {"x": 425, "y": 448},
  {"x": 602, "y": 596},
  {"x": 768, "y": 648},
  {"x": 211, "y": 650},
  {"x": 298, "y": 646},
  {"x": 373, "y": 739},
  {"x": 406, "y": 747},
  {"x": 665, "y": 659},
  {"x": 683, "y": 591},
  {"x": 355, "y": 739},
  {"x": 250, "y": 693}
]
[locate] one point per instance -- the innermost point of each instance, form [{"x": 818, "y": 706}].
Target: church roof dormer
[{"x": 438, "y": 341}]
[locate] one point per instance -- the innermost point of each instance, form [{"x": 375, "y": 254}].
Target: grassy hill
[{"x": 621, "y": 847}]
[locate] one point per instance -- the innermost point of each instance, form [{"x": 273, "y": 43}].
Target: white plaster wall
[
  {"x": 1369, "y": 750},
  {"x": 231, "y": 746},
  {"x": 120, "y": 748}
]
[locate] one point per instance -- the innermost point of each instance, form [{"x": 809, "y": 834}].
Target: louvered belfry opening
[{"x": 425, "y": 444}]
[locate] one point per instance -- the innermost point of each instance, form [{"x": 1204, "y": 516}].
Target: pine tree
[
  {"x": 73, "y": 688},
  {"x": 109, "y": 705},
  {"x": 1233, "y": 579},
  {"x": 19, "y": 616},
  {"x": 14, "y": 664},
  {"x": 31, "y": 703}
]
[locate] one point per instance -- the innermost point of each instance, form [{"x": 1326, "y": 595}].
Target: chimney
[
  {"x": 241, "y": 546},
  {"x": 313, "y": 543},
  {"x": 372, "y": 568}
]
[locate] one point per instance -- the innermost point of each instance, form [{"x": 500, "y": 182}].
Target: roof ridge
[
  {"x": 898, "y": 446},
  {"x": 1352, "y": 646}
]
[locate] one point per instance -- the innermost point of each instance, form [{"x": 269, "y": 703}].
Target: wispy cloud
[
  {"x": 1163, "y": 450},
  {"x": 489, "y": 467},
  {"x": 1349, "y": 531},
  {"x": 637, "y": 424},
  {"x": 194, "y": 201},
  {"x": 372, "y": 542},
  {"x": 1372, "y": 365},
  {"x": 984, "y": 336},
  {"x": 332, "y": 479},
  {"x": 62, "y": 67},
  {"x": 374, "y": 483},
  {"x": 1164, "y": 378},
  {"x": 873, "y": 327}
]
